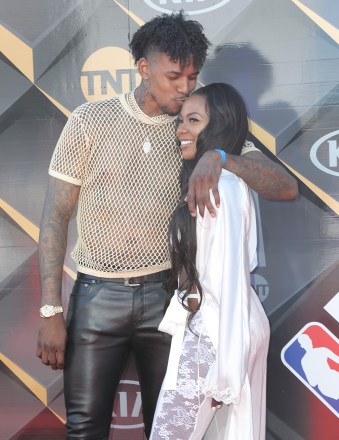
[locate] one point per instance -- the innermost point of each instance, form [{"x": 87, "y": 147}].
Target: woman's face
[{"x": 191, "y": 121}]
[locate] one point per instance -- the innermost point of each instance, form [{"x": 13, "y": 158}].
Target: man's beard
[{"x": 165, "y": 108}]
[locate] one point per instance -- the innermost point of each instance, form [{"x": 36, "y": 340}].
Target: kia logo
[
  {"x": 325, "y": 153},
  {"x": 127, "y": 412}
]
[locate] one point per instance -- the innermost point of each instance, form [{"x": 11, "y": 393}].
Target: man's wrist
[
  {"x": 47, "y": 311},
  {"x": 223, "y": 156}
]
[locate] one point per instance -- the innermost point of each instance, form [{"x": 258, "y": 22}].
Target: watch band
[{"x": 47, "y": 310}]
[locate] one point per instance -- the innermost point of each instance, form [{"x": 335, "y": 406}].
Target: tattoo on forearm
[
  {"x": 264, "y": 176},
  {"x": 57, "y": 211}
]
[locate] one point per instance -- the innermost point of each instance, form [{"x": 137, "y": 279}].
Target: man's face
[{"x": 168, "y": 84}]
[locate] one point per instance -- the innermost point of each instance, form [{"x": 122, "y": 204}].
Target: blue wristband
[{"x": 223, "y": 156}]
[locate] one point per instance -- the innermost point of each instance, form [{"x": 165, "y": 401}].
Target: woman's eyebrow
[{"x": 193, "y": 113}]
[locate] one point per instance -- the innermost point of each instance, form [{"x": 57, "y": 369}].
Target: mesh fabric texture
[{"x": 128, "y": 166}]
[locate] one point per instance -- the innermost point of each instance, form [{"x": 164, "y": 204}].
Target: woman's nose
[{"x": 181, "y": 129}]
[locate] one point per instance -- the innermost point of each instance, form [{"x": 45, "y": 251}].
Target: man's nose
[{"x": 183, "y": 86}]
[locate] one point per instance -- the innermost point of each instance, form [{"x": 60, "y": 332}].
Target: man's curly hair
[{"x": 173, "y": 35}]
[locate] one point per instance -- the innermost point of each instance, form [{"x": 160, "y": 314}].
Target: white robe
[{"x": 232, "y": 313}]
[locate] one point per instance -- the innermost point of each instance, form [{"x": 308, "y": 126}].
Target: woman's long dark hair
[{"x": 227, "y": 129}]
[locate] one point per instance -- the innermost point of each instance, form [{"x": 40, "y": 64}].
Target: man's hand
[
  {"x": 52, "y": 341},
  {"x": 204, "y": 177}
]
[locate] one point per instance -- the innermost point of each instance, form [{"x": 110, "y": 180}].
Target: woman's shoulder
[
  {"x": 228, "y": 179},
  {"x": 232, "y": 188}
]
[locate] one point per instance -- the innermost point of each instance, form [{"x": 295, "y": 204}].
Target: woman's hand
[{"x": 216, "y": 405}]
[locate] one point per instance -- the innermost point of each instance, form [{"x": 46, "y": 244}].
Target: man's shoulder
[
  {"x": 249, "y": 147},
  {"x": 99, "y": 107}
]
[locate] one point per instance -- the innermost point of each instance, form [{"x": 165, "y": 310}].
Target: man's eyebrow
[
  {"x": 178, "y": 72},
  {"x": 174, "y": 71}
]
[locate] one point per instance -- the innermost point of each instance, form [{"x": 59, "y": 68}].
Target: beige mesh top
[{"x": 128, "y": 166}]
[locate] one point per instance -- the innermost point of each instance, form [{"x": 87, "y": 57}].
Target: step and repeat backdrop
[{"x": 283, "y": 56}]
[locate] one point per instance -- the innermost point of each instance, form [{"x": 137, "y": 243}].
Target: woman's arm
[{"x": 193, "y": 303}]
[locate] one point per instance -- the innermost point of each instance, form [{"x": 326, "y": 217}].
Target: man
[{"x": 119, "y": 159}]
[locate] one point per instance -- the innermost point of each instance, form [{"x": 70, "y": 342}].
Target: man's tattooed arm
[
  {"x": 59, "y": 204},
  {"x": 269, "y": 179}
]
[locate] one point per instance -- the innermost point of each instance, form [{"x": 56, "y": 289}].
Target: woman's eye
[{"x": 194, "y": 120}]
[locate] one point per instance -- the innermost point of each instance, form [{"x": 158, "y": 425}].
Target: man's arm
[
  {"x": 267, "y": 178},
  {"x": 59, "y": 204}
]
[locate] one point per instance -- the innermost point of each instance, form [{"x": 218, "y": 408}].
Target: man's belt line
[{"x": 128, "y": 281}]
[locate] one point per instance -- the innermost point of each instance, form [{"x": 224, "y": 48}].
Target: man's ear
[{"x": 144, "y": 68}]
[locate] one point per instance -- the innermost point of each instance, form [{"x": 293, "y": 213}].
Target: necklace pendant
[{"x": 147, "y": 147}]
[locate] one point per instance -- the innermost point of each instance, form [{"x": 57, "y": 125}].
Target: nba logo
[{"x": 312, "y": 355}]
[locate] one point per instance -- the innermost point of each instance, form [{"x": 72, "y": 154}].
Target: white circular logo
[
  {"x": 191, "y": 7},
  {"x": 325, "y": 153}
]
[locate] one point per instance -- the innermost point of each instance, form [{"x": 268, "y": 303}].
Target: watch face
[{"x": 47, "y": 311}]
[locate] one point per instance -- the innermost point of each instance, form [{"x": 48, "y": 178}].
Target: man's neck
[{"x": 146, "y": 102}]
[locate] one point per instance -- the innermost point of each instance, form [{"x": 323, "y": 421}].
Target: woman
[{"x": 217, "y": 364}]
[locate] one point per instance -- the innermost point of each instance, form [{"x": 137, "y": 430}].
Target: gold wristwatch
[{"x": 47, "y": 311}]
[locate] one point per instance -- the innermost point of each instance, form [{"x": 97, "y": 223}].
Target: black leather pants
[{"x": 106, "y": 322}]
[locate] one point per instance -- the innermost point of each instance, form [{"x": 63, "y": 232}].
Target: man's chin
[{"x": 172, "y": 111}]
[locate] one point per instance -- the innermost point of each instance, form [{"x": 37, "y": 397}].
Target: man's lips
[{"x": 182, "y": 99}]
